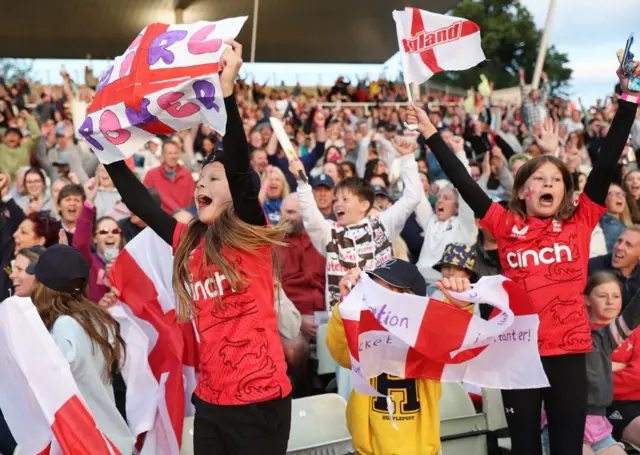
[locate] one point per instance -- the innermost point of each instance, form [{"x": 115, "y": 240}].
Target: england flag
[{"x": 430, "y": 43}]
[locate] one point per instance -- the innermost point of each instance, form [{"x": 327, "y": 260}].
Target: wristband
[
  {"x": 88, "y": 205},
  {"x": 264, "y": 188},
  {"x": 630, "y": 98}
]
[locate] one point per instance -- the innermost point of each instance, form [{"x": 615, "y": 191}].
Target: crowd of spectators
[{"x": 52, "y": 186}]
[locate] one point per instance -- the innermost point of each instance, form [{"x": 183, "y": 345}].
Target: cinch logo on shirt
[
  {"x": 544, "y": 256},
  {"x": 208, "y": 289}
]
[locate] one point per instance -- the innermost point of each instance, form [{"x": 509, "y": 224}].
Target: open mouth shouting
[
  {"x": 546, "y": 200},
  {"x": 203, "y": 201}
]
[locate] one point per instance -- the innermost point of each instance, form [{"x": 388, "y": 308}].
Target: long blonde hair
[
  {"x": 97, "y": 323},
  {"x": 227, "y": 231}
]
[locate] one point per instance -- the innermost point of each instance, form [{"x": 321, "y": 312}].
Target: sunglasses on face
[{"x": 115, "y": 231}]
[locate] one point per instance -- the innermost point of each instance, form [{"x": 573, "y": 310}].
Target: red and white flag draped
[
  {"x": 160, "y": 371},
  {"x": 430, "y": 43},
  {"x": 38, "y": 395},
  {"x": 415, "y": 337},
  {"x": 166, "y": 81}
]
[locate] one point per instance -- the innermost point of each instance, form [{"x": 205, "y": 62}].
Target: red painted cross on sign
[{"x": 137, "y": 80}]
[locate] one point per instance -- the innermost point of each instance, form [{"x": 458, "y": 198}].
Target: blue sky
[{"x": 590, "y": 31}]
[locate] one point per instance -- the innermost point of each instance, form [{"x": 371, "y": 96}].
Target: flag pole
[{"x": 542, "y": 52}]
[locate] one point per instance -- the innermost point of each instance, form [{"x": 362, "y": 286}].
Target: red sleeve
[
  {"x": 177, "y": 233},
  {"x": 588, "y": 212},
  {"x": 84, "y": 232},
  {"x": 148, "y": 181},
  {"x": 627, "y": 382},
  {"x": 496, "y": 220}
]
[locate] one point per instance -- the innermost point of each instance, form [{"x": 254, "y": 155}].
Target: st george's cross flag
[
  {"x": 161, "y": 375},
  {"x": 165, "y": 81},
  {"x": 430, "y": 43},
  {"x": 39, "y": 397},
  {"x": 409, "y": 336}
]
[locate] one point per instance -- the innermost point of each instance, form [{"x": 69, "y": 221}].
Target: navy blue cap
[
  {"x": 401, "y": 274},
  {"x": 49, "y": 272},
  {"x": 322, "y": 180},
  {"x": 380, "y": 190}
]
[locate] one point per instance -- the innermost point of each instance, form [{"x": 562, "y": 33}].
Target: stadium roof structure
[{"x": 309, "y": 31}]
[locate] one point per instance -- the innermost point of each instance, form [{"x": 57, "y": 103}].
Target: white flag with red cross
[
  {"x": 430, "y": 43},
  {"x": 410, "y": 336}
]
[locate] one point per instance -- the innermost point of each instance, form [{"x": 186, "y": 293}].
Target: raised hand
[
  {"x": 456, "y": 143},
  {"x": 454, "y": 284},
  {"x": 91, "y": 190},
  {"x": 417, "y": 116},
  {"x": 548, "y": 139},
  {"x": 624, "y": 80},
  {"x": 296, "y": 167},
  {"x": 5, "y": 184},
  {"x": 405, "y": 147},
  {"x": 230, "y": 62},
  {"x": 496, "y": 152},
  {"x": 349, "y": 281}
]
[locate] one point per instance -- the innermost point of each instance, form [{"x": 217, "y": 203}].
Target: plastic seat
[
  {"x": 187, "y": 437},
  {"x": 326, "y": 364},
  {"x": 462, "y": 430},
  {"x": 319, "y": 426}
]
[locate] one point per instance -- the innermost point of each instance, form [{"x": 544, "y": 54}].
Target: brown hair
[
  {"x": 97, "y": 323},
  {"x": 625, "y": 217},
  {"x": 518, "y": 207},
  {"x": 227, "y": 231},
  {"x": 599, "y": 278},
  {"x": 632, "y": 204}
]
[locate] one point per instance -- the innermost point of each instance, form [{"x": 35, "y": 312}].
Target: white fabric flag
[
  {"x": 416, "y": 337},
  {"x": 162, "y": 375},
  {"x": 38, "y": 395},
  {"x": 430, "y": 43},
  {"x": 166, "y": 81}
]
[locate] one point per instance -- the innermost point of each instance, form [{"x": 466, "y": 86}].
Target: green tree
[
  {"x": 510, "y": 41},
  {"x": 12, "y": 69}
]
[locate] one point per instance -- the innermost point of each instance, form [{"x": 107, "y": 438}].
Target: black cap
[
  {"x": 401, "y": 274},
  {"x": 390, "y": 128},
  {"x": 216, "y": 156},
  {"x": 380, "y": 190},
  {"x": 322, "y": 180},
  {"x": 60, "y": 268}
]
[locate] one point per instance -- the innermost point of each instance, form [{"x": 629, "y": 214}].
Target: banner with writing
[
  {"x": 415, "y": 337},
  {"x": 166, "y": 81},
  {"x": 430, "y": 43}
]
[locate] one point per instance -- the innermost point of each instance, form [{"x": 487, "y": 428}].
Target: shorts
[
  {"x": 621, "y": 414},
  {"x": 603, "y": 444}
]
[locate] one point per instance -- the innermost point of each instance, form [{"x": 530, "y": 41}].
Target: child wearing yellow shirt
[{"x": 416, "y": 412}]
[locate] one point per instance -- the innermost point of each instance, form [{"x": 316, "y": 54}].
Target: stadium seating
[
  {"x": 462, "y": 431},
  {"x": 326, "y": 364},
  {"x": 319, "y": 426}
]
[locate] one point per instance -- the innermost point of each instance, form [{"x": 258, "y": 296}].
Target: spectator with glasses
[
  {"x": 99, "y": 242},
  {"x": 36, "y": 197}
]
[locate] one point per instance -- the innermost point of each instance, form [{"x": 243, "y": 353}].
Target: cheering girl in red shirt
[
  {"x": 223, "y": 275},
  {"x": 543, "y": 242}
]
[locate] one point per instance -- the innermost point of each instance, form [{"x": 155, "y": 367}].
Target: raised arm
[
  {"x": 84, "y": 229},
  {"x": 244, "y": 182},
  {"x": 137, "y": 199},
  {"x": 604, "y": 168},
  {"x": 450, "y": 164},
  {"x": 394, "y": 218}
]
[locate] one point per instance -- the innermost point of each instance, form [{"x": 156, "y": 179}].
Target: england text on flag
[{"x": 430, "y": 43}]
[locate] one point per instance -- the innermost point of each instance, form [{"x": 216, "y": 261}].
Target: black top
[
  {"x": 241, "y": 177},
  {"x": 598, "y": 182}
]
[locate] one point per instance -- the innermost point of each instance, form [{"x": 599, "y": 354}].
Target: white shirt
[
  {"x": 88, "y": 367},
  {"x": 438, "y": 234}
]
